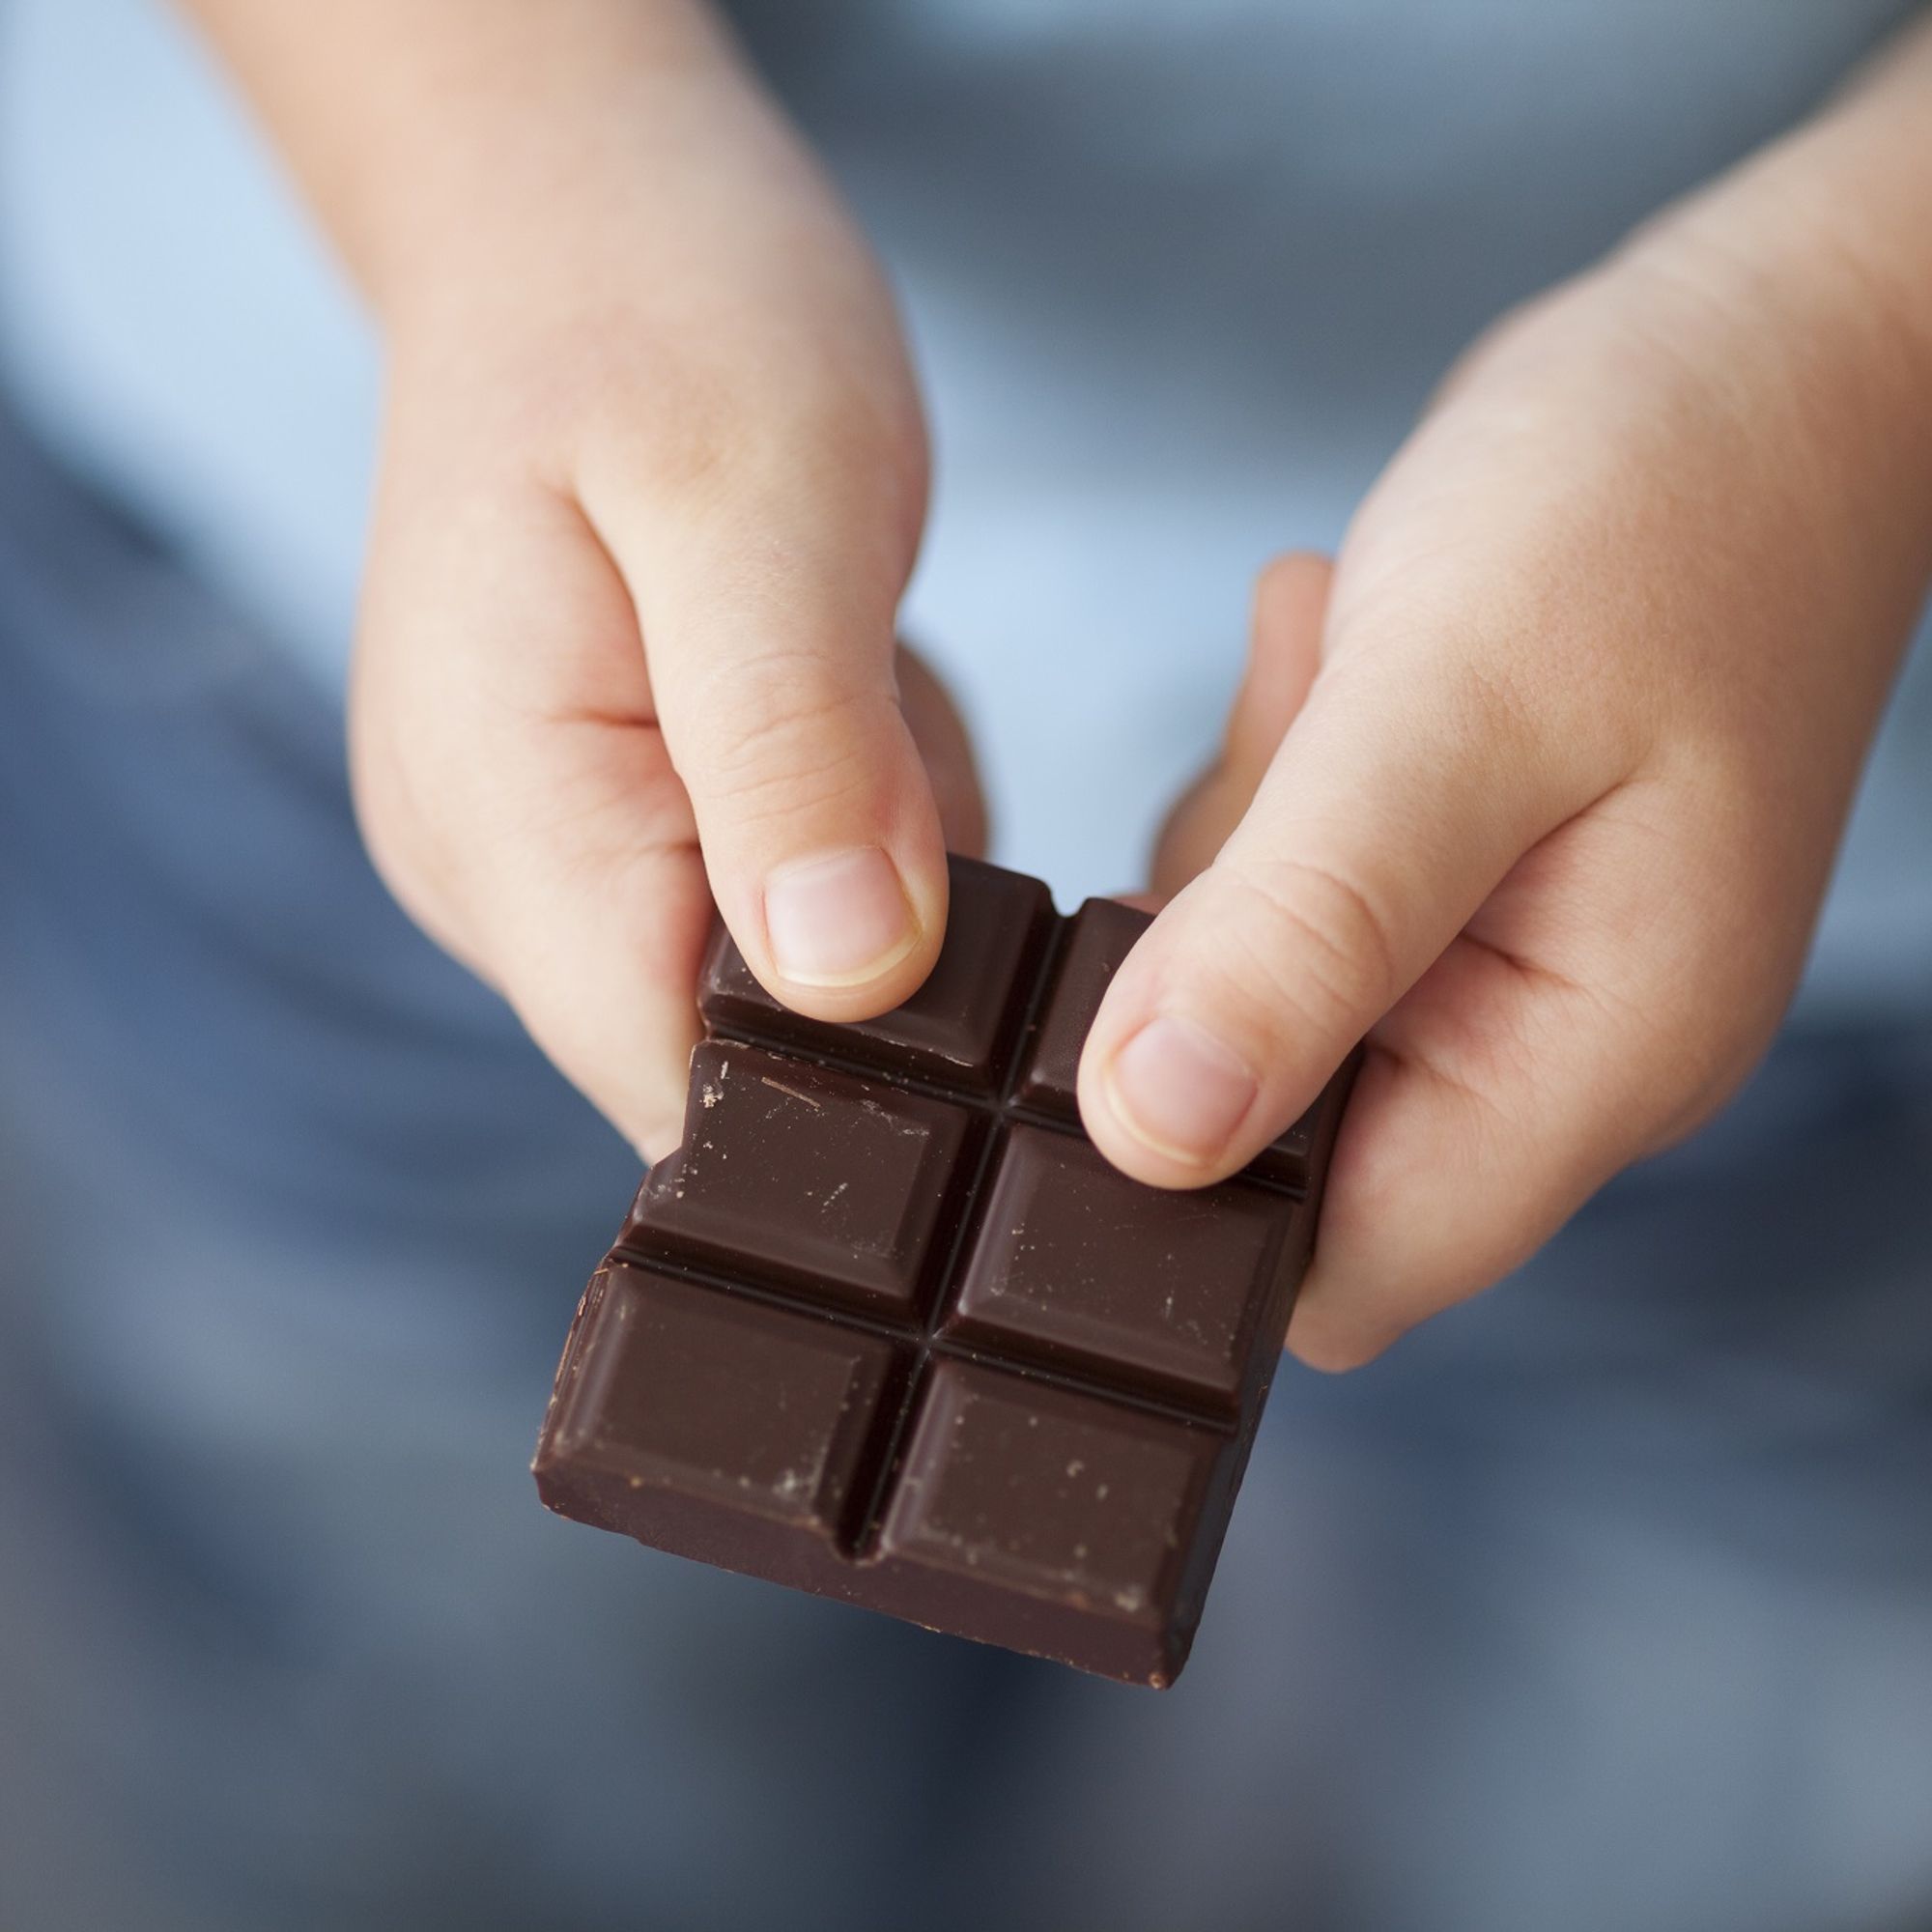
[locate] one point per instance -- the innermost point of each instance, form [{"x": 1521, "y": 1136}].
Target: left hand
[{"x": 1541, "y": 796}]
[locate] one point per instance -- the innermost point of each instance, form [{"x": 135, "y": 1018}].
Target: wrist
[
  {"x": 1805, "y": 328},
  {"x": 1817, "y": 253},
  {"x": 421, "y": 130},
  {"x": 592, "y": 185}
]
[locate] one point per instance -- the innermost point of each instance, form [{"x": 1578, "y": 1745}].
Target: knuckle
[
  {"x": 677, "y": 434},
  {"x": 1314, "y": 940},
  {"x": 787, "y": 740},
  {"x": 746, "y": 425}
]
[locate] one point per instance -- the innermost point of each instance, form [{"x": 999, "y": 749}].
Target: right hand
[{"x": 654, "y": 478}]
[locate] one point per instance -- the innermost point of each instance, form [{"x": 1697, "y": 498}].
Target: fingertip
[
  {"x": 654, "y": 1119},
  {"x": 1191, "y": 1069},
  {"x": 838, "y": 920},
  {"x": 850, "y": 934},
  {"x": 1338, "y": 1326},
  {"x": 1334, "y": 1348},
  {"x": 1170, "y": 1104},
  {"x": 1293, "y": 581}
]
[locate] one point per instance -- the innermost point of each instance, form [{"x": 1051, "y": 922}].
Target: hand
[
  {"x": 1541, "y": 794},
  {"x": 654, "y": 478}
]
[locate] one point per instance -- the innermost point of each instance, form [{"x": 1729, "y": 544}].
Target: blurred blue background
[{"x": 1605, "y": 1603}]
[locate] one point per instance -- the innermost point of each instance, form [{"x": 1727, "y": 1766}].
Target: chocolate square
[
  {"x": 958, "y": 1030},
  {"x": 723, "y": 1404},
  {"x": 798, "y": 1175},
  {"x": 1073, "y": 1266},
  {"x": 1051, "y": 1492}
]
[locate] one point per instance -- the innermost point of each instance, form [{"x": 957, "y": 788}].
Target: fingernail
[
  {"x": 838, "y": 920},
  {"x": 1180, "y": 1090}
]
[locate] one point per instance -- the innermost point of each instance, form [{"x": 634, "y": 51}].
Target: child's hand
[
  {"x": 653, "y": 482},
  {"x": 1569, "y": 744}
]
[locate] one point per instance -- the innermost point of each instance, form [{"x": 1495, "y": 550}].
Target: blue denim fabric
[
  {"x": 292, "y": 1221},
  {"x": 1605, "y": 1602}
]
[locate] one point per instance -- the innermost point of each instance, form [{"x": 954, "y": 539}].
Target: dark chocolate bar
[{"x": 888, "y": 1328}]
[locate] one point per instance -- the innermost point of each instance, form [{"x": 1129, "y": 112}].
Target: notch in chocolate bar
[{"x": 887, "y": 1327}]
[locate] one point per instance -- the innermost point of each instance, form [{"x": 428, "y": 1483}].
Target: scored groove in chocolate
[{"x": 848, "y": 1178}]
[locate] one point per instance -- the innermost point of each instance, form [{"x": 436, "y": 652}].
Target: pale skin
[{"x": 1537, "y": 788}]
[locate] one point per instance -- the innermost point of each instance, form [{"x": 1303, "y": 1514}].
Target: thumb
[
  {"x": 1404, "y": 791},
  {"x": 767, "y": 615}
]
